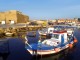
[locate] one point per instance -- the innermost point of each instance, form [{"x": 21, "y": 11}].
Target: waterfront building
[
  {"x": 12, "y": 17},
  {"x": 67, "y": 21},
  {"x": 42, "y": 22}
]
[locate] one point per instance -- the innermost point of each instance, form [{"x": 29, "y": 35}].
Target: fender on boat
[
  {"x": 70, "y": 45},
  {"x": 56, "y": 49},
  {"x": 75, "y": 40}
]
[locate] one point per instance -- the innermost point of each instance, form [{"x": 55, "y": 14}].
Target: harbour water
[{"x": 18, "y": 52}]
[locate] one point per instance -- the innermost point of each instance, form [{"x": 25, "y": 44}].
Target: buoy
[
  {"x": 75, "y": 40},
  {"x": 70, "y": 45},
  {"x": 57, "y": 49}
]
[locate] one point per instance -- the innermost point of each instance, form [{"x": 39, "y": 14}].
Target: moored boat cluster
[{"x": 61, "y": 39}]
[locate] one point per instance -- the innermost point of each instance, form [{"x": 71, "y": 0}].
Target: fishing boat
[
  {"x": 46, "y": 32},
  {"x": 59, "y": 41}
]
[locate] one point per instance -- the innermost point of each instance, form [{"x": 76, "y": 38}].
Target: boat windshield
[{"x": 56, "y": 36}]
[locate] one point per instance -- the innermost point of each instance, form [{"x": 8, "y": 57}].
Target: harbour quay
[{"x": 18, "y": 28}]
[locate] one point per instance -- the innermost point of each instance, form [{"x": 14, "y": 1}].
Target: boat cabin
[{"x": 58, "y": 37}]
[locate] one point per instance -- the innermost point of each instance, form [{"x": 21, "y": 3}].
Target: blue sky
[{"x": 43, "y": 9}]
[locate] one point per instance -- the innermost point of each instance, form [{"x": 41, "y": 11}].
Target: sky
[{"x": 43, "y": 9}]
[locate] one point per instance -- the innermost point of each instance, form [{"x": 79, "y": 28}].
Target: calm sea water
[{"x": 18, "y": 52}]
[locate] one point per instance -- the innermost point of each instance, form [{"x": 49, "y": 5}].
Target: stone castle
[{"x": 13, "y": 17}]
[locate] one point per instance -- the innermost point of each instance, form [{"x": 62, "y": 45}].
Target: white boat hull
[{"x": 48, "y": 52}]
